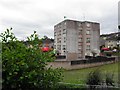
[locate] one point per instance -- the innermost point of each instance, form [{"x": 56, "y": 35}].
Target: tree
[{"x": 24, "y": 67}]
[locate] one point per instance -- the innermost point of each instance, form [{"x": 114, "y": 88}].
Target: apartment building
[
  {"x": 110, "y": 40},
  {"x": 76, "y": 39}
]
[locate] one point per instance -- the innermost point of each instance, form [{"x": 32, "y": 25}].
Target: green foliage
[
  {"x": 109, "y": 79},
  {"x": 94, "y": 78},
  {"x": 24, "y": 67}
]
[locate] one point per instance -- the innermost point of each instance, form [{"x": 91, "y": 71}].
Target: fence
[
  {"x": 61, "y": 57},
  {"x": 93, "y": 60}
]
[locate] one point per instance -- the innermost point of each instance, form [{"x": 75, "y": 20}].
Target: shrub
[
  {"x": 94, "y": 78},
  {"x": 109, "y": 79},
  {"x": 24, "y": 67}
]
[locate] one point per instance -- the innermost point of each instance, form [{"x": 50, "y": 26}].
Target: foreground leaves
[{"x": 24, "y": 66}]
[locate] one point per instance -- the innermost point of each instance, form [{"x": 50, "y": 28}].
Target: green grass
[{"x": 79, "y": 76}]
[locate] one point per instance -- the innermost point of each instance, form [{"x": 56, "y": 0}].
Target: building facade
[
  {"x": 110, "y": 40},
  {"x": 76, "y": 39},
  {"x": 111, "y": 43}
]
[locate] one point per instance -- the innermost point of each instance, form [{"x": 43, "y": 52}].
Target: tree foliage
[{"x": 24, "y": 67}]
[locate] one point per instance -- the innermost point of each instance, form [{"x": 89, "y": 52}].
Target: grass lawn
[{"x": 79, "y": 76}]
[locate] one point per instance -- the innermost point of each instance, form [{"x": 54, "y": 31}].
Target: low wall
[
  {"x": 67, "y": 64},
  {"x": 58, "y": 64}
]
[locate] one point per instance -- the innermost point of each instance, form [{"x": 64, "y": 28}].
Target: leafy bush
[
  {"x": 109, "y": 79},
  {"x": 94, "y": 78},
  {"x": 24, "y": 67}
]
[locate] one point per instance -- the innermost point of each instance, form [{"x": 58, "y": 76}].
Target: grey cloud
[
  {"x": 42, "y": 15},
  {"x": 119, "y": 13},
  {"x": 20, "y": 23}
]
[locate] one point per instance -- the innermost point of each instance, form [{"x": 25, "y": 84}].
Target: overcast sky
[{"x": 27, "y": 16}]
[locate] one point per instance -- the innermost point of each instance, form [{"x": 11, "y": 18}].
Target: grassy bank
[{"x": 79, "y": 76}]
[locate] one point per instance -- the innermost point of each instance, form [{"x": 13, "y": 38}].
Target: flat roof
[{"x": 76, "y": 21}]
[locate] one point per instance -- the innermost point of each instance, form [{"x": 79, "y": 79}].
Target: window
[
  {"x": 79, "y": 46},
  {"x": 79, "y": 49},
  {"x": 54, "y": 33},
  {"x": 64, "y": 47},
  {"x": 55, "y": 46},
  {"x": 79, "y": 24},
  {"x": 80, "y": 32},
  {"x": 59, "y": 47},
  {"x": 59, "y": 41},
  {"x": 58, "y": 26},
  {"x": 88, "y": 32},
  {"x": 64, "y": 23},
  {"x": 64, "y": 31},
  {"x": 80, "y": 40},
  {"x": 59, "y": 33},
  {"x": 88, "y": 24},
  {"x": 88, "y": 47},
  {"x": 88, "y": 40},
  {"x": 64, "y": 39}
]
